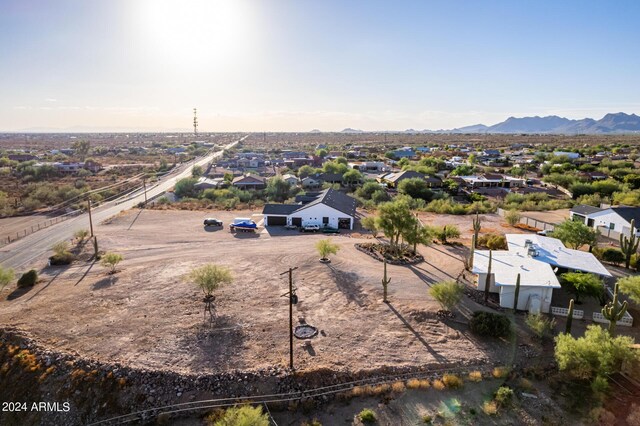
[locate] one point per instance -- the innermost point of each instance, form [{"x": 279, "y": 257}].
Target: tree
[
  {"x": 395, "y": 220},
  {"x": 447, "y": 293},
  {"x": 81, "y": 149},
  {"x": 575, "y": 234},
  {"x": 196, "y": 171},
  {"x": 185, "y": 188},
  {"x": 418, "y": 235},
  {"x": 370, "y": 223},
  {"x": 325, "y": 248},
  {"x": 631, "y": 287},
  {"x": 415, "y": 188},
  {"x": 228, "y": 177},
  {"x": 582, "y": 284},
  {"x": 595, "y": 355},
  {"x": 352, "y": 177},
  {"x": 6, "y": 277},
  {"x": 305, "y": 171},
  {"x": 334, "y": 167},
  {"x": 512, "y": 217},
  {"x": 111, "y": 260},
  {"x": 244, "y": 415},
  {"x": 210, "y": 277},
  {"x": 278, "y": 189},
  {"x": 321, "y": 152}
]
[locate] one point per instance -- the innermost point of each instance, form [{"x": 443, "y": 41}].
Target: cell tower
[{"x": 195, "y": 122}]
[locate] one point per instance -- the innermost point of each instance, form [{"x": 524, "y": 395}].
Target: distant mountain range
[{"x": 610, "y": 123}]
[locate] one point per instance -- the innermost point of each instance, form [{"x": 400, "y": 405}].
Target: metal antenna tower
[{"x": 195, "y": 122}]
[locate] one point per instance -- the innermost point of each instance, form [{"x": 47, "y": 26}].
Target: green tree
[
  {"x": 278, "y": 189},
  {"x": 210, "y": 277},
  {"x": 334, "y": 167},
  {"x": 321, "y": 152},
  {"x": 185, "y": 188},
  {"x": 6, "y": 277},
  {"x": 228, "y": 177},
  {"x": 351, "y": 177},
  {"x": 81, "y": 149},
  {"x": 630, "y": 286},
  {"x": 581, "y": 284},
  {"x": 447, "y": 293},
  {"x": 595, "y": 355},
  {"x": 395, "y": 220},
  {"x": 575, "y": 234},
  {"x": 415, "y": 188},
  {"x": 370, "y": 223},
  {"x": 243, "y": 415},
  {"x": 325, "y": 248},
  {"x": 305, "y": 171},
  {"x": 111, "y": 260},
  {"x": 196, "y": 171}
]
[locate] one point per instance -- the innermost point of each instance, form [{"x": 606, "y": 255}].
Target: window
[
  {"x": 612, "y": 225},
  {"x": 325, "y": 220}
]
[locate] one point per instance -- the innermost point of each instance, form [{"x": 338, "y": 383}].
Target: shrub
[
  {"x": 512, "y": 217},
  {"x": 413, "y": 383},
  {"x": 398, "y": 387},
  {"x": 427, "y": 418},
  {"x": 500, "y": 372},
  {"x": 504, "y": 395},
  {"x": 492, "y": 242},
  {"x": 475, "y": 376},
  {"x": 6, "y": 276},
  {"x": 367, "y": 416},
  {"x": 613, "y": 255},
  {"x": 452, "y": 381},
  {"x": 111, "y": 260},
  {"x": 61, "y": 254},
  {"x": 244, "y": 415},
  {"x": 490, "y": 324},
  {"x": 28, "y": 279},
  {"x": 490, "y": 408},
  {"x": 540, "y": 325},
  {"x": 438, "y": 384},
  {"x": 81, "y": 234},
  {"x": 447, "y": 293}
]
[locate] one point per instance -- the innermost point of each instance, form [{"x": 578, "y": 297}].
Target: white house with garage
[
  {"x": 616, "y": 219},
  {"x": 538, "y": 260},
  {"x": 328, "y": 209}
]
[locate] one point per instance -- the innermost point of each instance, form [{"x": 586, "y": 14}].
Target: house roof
[
  {"x": 585, "y": 209},
  {"x": 552, "y": 251},
  {"x": 279, "y": 209},
  {"x": 628, "y": 213},
  {"x": 334, "y": 199},
  {"x": 506, "y": 266},
  {"x": 406, "y": 174},
  {"x": 249, "y": 179}
]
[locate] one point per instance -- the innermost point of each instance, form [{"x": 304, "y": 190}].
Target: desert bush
[
  {"x": 61, "y": 254},
  {"x": 6, "y": 276},
  {"x": 504, "y": 395},
  {"x": 490, "y": 324},
  {"x": 438, "y": 384},
  {"x": 525, "y": 384},
  {"x": 427, "y": 418},
  {"x": 111, "y": 260},
  {"x": 490, "y": 408},
  {"x": 612, "y": 255},
  {"x": 326, "y": 247},
  {"x": 367, "y": 416},
  {"x": 447, "y": 293},
  {"x": 539, "y": 325},
  {"x": 398, "y": 387},
  {"x": 28, "y": 279},
  {"x": 492, "y": 241},
  {"x": 475, "y": 376},
  {"x": 243, "y": 415},
  {"x": 413, "y": 383},
  {"x": 81, "y": 234},
  {"x": 452, "y": 381},
  {"x": 512, "y": 217},
  {"x": 500, "y": 372},
  {"x": 314, "y": 422}
]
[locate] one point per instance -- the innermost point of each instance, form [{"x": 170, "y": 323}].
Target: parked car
[
  {"x": 544, "y": 232},
  {"x": 329, "y": 230},
  {"x": 212, "y": 222},
  {"x": 311, "y": 228}
]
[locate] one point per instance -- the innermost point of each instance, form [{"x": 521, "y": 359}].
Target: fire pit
[{"x": 305, "y": 331}]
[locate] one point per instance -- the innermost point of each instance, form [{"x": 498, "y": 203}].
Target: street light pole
[{"x": 291, "y": 296}]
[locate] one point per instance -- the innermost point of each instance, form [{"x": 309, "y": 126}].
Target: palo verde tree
[
  {"x": 630, "y": 286},
  {"x": 325, "y": 248},
  {"x": 369, "y": 223},
  {"x": 209, "y": 278},
  {"x": 629, "y": 245},
  {"x": 447, "y": 293},
  {"x": 582, "y": 284},
  {"x": 111, "y": 261},
  {"x": 418, "y": 235},
  {"x": 395, "y": 220},
  {"x": 575, "y": 234}
]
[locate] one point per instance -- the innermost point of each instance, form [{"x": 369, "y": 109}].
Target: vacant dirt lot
[{"x": 150, "y": 315}]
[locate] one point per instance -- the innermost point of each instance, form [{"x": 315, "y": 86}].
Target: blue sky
[{"x": 300, "y": 65}]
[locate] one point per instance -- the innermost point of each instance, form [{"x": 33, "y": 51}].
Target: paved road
[{"x": 20, "y": 254}]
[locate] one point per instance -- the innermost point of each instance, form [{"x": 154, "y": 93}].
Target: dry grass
[
  {"x": 413, "y": 384},
  {"x": 380, "y": 389},
  {"x": 358, "y": 391},
  {"x": 398, "y": 387},
  {"x": 525, "y": 384},
  {"x": 438, "y": 384},
  {"x": 475, "y": 376},
  {"x": 452, "y": 381},
  {"x": 490, "y": 408}
]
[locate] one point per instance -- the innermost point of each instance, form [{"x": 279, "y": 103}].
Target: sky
[{"x": 298, "y": 65}]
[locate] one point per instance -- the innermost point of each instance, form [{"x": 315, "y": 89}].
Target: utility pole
[
  {"x": 144, "y": 183},
  {"x": 90, "y": 220},
  {"x": 95, "y": 239},
  {"x": 292, "y": 299}
]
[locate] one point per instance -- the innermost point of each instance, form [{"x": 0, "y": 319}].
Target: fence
[
  {"x": 627, "y": 319},
  {"x": 529, "y": 221},
  {"x": 564, "y": 312},
  {"x": 34, "y": 228}
]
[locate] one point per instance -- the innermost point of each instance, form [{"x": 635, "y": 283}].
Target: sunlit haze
[{"x": 301, "y": 65}]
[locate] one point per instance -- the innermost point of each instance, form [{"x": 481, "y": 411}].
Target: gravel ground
[{"x": 149, "y": 315}]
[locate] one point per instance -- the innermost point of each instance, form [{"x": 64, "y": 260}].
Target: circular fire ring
[{"x": 305, "y": 331}]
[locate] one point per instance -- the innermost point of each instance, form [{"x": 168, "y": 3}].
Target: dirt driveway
[{"x": 149, "y": 315}]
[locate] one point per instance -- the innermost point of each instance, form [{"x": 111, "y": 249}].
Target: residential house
[
  {"x": 249, "y": 182},
  {"x": 311, "y": 182},
  {"x": 209, "y": 183},
  {"x": 569, "y": 155},
  {"x": 537, "y": 260},
  {"x": 492, "y": 180},
  {"x": 616, "y": 219},
  {"x": 406, "y": 152},
  {"x": 290, "y": 179},
  {"x": 491, "y": 153},
  {"x": 22, "y": 157},
  {"x": 330, "y": 208},
  {"x": 393, "y": 179}
]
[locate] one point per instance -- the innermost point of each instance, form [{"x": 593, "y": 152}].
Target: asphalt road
[{"x": 21, "y": 253}]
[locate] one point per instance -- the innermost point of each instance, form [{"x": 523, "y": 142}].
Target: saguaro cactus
[
  {"x": 517, "y": 293},
  {"x": 569, "y": 318},
  {"x": 476, "y": 229},
  {"x": 473, "y": 251},
  {"x": 629, "y": 245},
  {"x": 487, "y": 282},
  {"x": 385, "y": 282},
  {"x": 613, "y": 312}
]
